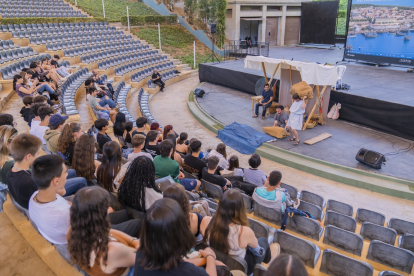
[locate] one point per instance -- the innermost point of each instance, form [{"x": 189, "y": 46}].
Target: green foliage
[
  {"x": 190, "y": 8},
  {"x": 148, "y": 20},
  {"x": 37, "y": 20},
  {"x": 221, "y": 22},
  {"x": 114, "y": 9}
]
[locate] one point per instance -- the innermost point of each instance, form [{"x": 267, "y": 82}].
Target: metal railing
[{"x": 239, "y": 49}]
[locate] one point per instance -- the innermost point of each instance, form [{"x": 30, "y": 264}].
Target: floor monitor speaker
[
  {"x": 370, "y": 158},
  {"x": 199, "y": 93}
]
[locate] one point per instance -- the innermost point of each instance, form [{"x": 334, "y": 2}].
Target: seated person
[
  {"x": 129, "y": 127},
  {"x": 34, "y": 119},
  {"x": 138, "y": 141},
  {"x": 265, "y": 101},
  {"x": 39, "y": 131},
  {"x": 98, "y": 105},
  {"x": 221, "y": 153},
  {"x": 153, "y": 147},
  {"x": 281, "y": 118},
  {"x": 42, "y": 76},
  {"x": 101, "y": 84},
  {"x": 25, "y": 111},
  {"x": 165, "y": 166},
  {"x": 252, "y": 174},
  {"x": 56, "y": 124},
  {"x": 191, "y": 162},
  {"x": 6, "y": 120},
  {"x": 272, "y": 193},
  {"x": 61, "y": 70},
  {"x": 102, "y": 137},
  {"x": 30, "y": 77},
  {"x": 156, "y": 78},
  {"x": 209, "y": 175},
  {"x": 181, "y": 146}
]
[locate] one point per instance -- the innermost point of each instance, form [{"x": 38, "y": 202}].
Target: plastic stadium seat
[
  {"x": 339, "y": 207},
  {"x": 307, "y": 227},
  {"x": 260, "y": 229},
  {"x": 395, "y": 257},
  {"x": 212, "y": 189},
  {"x": 406, "y": 241},
  {"x": 371, "y": 231},
  {"x": 305, "y": 250},
  {"x": 340, "y": 221},
  {"x": 401, "y": 226},
  {"x": 232, "y": 262},
  {"x": 312, "y": 198},
  {"x": 313, "y": 209},
  {"x": 364, "y": 215},
  {"x": 337, "y": 264},
  {"x": 270, "y": 215},
  {"x": 389, "y": 273},
  {"x": 344, "y": 240}
]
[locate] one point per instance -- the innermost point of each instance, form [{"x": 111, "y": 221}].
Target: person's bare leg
[{"x": 112, "y": 115}]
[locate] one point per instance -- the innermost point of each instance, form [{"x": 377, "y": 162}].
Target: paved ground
[
  {"x": 179, "y": 116},
  {"x": 228, "y": 105}
]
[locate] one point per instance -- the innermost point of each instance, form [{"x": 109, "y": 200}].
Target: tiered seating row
[
  {"x": 11, "y": 9},
  {"x": 69, "y": 89},
  {"x": 9, "y": 71},
  {"x": 6, "y": 56},
  {"x": 106, "y": 50},
  {"x": 140, "y": 75},
  {"x": 58, "y": 28}
]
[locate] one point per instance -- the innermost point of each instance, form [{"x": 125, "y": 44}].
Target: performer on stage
[
  {"x": 295, "y": 121},
  {"x": 281, "y": 117},
  {"x": 156, "y": 78},
  {"x": 265, "y": 101}
]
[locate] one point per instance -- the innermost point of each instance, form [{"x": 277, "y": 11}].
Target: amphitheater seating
[
  {"x": 191, "y": 196},
  {"x": 232, "y": 262},
  {"x": 34, "y": 30},
  {"x": 389, "y": 273},
  {"x": 340, "y": 207},
  {"x": 313, "y": 209},
  {"x": 259, "y": 270},
  {"x": 371, "y": 231},
  {"x": 17, "y": 53},
  {"x": 120, "y": 96},
  {"x": 307, "y": 227},
  {"x": 248, "y": 203},
  {"x": 212, "y": 189},
  {"x": 341, "y": 221},
  {"x": 37, "y": 8},
  {"x": 395, "y": 257},
  {"x": 8, "y": 71},
  {"x": 364, "y": 215},
  {"x": 7, "y": 44},
  {"x": 260, "y": 229},
  {"x": 312, "y": 198},
  {"x": 69, "y": 89},
  {"x": 406, "y": 241},
  {"x": 344, "y": 240},
  {"x": 292, "y": 191},
  {"x": 334, "y": 263},
  {"x": 401, "y": 226},
  {"x": 271, "y": 215}
]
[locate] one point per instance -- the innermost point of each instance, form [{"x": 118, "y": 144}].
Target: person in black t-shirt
[
  {"x": 156, "y": 78},
  {"x": 192, "y": 163},
  {"x": 141, "y": 122},
  {"x": 102, "y": 138},
  {"x": 209, "y": 176},
  {"x": 152, "y": 147}
]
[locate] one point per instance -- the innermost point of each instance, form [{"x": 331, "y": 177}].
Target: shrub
[
  {"x": 148, "y": 20},
  {"x": 37, "y": 20}
]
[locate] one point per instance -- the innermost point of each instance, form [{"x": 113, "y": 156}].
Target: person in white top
[
  {"x": 44, "y": 113},
  {"x": 138, "y": 141},
  {"x": 221, "y": 153},
  {"x": 47, "y": 208},
  {"x": 295, "y": 121}
]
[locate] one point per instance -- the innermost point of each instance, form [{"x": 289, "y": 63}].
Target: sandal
[
  {"x": 292, "y": 139},
  {"x": 296, "y": 143}
]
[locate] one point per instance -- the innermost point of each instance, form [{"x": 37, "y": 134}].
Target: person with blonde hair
[{"x": 7, "y": 133}]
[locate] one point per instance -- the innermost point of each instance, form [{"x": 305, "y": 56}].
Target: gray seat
[
  {"x": 305, "y": 250},
  {"x": 260, "y": 229},
  {"x": 248, "y": 202},
  {"x": 364, "y": 215},
  {"x": 214, "y": 190},
  {"x": 259, "y": 270},
  {"x": 389, "y": 273},
  {"x": 307, "y": 227},
  {"x": 232, "y": 262},
  {"x": 22, "y": 210},
  {"x": 268, "y": 214},
  {"x": 192, "y": 196},
  {"x": 335, "y": 264},
  {"x": 313, "y": 209},
  {"x": 63, "y": 251},
  {"x": 395, "y": 257},
  {"x": 340, "y": 220},
  {"x": 344, "y": 240},
  {"x": 371, "y": 231},
  {"x": 339, "y": 207},
  {"x": 312, "y": 198},
  {"x": 406, "y": 241},
  {"x": 292, "y": 191},
  {"x": 401, "y": 226}
]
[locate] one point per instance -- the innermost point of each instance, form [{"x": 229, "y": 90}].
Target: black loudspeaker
[
  {"x": 213, "y": 29},
  {"x": 370, "y": 158},
  {"x": 199, "y": 93}
]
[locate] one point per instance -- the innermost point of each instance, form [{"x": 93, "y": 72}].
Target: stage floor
[
  {"x": 229, "y": 105},
  {"x": 390, "y": 84}
]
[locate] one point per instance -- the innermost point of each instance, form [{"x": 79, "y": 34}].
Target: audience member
[
  {"x": 92, "y": 245},
  {"x": 34, "y": 119},
  {"x": 156, "y": 78},
  {"x": 52, "y": 74},
  {"x": 165, "y": 166},
  {"x": 153, "y": 147},
  {"x": 29, "y": 79},
  {"x": 62, "y": 70},
  {"x": 156, "y": 126},
  {"x": 228, "y": 231},
  {"x": 208, "y": 174},
  {"x": 44, "y": 113},
  {"x": 138, "y": 142},
  {"x": 119, "y": 125},
  {"x": 40, "y": 99},
  {"x": 286, "y": 265},
  {"x": 110, "y": 166},
  {"x": 165, "y": 239},
  {"x": 100, "y": 83},
  {"x": 129, "y": 127},
  {"x": 254, "y": 175},
  {"x": 221, "y": 153},
  {"x": 177, "y": 193},
  {"x": 83, "y": 160},
  {"x": 167, "y": 129},
  {"x": 234, "y": 166},
  {"x": 98, "y": 105},
  {"x": 56, "y": 123},
  {"x": 7, "y": 134},
  {"x": 181, "y": 147},
  {"x": 25, "y": 111},
  {"x": 6, "y": 120},
  {"x": 272, "y": 193},
  {"x": 102, "y": 137},
  {"x": 175, "y": 155},
  {"x": 138, "y": 189},
  {"x": 141, "y": 122},
  {"x": 67, "y": 139},
  {"x": 201, "y": 155},
  {"x": 21, "y": 89},
  {"x": 191, "y": 162},
  {"x": 42, "y": 76}
]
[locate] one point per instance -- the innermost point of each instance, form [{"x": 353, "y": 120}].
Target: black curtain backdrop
[
  {"x": 318, "y": 22},
  {"x": 389, "y": 117}
]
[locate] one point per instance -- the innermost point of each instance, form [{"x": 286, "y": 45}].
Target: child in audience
[
  {"x": 272, "y": 193},
  {"x": 221, "y": 153},
  {"x": 7, "y": 120},
  {"x": 209, "y": 175},
  {"x": 25, "y": 111},
  {"x": 92, "y": 244},
  {"x": 165, "y": 239},
  {"x": 286, "y": 265},
  {"x": 254, "y": 175},
  {"x": 138, "y": 141},
  {"x": 56, "y": 124},
  {"x": 67, "y": 139},
  {"x": 110, "y": 166},
  {"x": 7, "y": 134},
  {"x": 44, "y": 113},
  {"x": 34, "y": 119},
  {"x": 83, "y": 161},
  {"x": 153, "y": 147},
  {"x": 181, "y": 147},
  {"x": 138, "y": 189},
  {"x": 129, "y": 127},
  {"x": 234, "y": 166},
  {"x": 228, "y": 231}
]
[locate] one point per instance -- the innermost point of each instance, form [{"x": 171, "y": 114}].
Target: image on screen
[{"x": 381, "y": 31}]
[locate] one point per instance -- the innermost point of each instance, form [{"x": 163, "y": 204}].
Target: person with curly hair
[
  {"x": 110, "y": 166},
  {"x": 7, "y": 133},
  {"x": 67, "y": 139},
  {"x": 138, "y": 189},
  {"x": 92, "y": 244},
  {"x": 83, "y": 160}
]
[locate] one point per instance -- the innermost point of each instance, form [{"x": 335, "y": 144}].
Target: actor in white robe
[{"x": 295, "y": 121}]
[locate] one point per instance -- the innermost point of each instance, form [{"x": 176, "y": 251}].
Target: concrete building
[{"x": 273, "y": 21}]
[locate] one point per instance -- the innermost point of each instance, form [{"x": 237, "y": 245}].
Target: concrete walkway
[{"x": 170, "y": 107}]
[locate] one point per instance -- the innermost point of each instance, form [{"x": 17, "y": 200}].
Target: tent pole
[
  {"x": 274, "y": 73},
  {"x": 313, "y": 110},
  {"x": 264, "y": 71}
]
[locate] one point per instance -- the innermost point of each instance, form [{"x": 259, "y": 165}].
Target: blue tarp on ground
[{"x": 243, "y": 138}]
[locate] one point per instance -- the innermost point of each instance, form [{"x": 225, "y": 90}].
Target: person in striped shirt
[{"x": 253, "y": 174}]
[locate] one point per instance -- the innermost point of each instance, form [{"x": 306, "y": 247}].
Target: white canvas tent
[{"x": 320, "y": 77}]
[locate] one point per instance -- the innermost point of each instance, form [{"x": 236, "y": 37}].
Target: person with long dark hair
[
  {"x": 83, "y": 160},
  {"x": 92, "y": 244},
  {"x": 221, "y": 153},
  {"x": 129, "y": 128},
  {"x": 229, "y": 232},
  {"x": 138, "y": 190},
  {"x": 67, "y": 139},
  {"x": 110, "y": 166},
  {"x": 234, "y": 166},
  {"x": 165, "y": 239},
  {"x": 168, "y": 129},
  {"x": 119, "y": 125},
  {"x": 175, "y": 155},
  {"x": 181, "y": 147},
  {"x": 286, "y": 265}
]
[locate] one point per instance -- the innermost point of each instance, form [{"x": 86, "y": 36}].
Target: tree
[
  {"x": 204, "y": 10},
  {"x": 190, "y": 8},
  {"x": 221, "y": 22}
]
